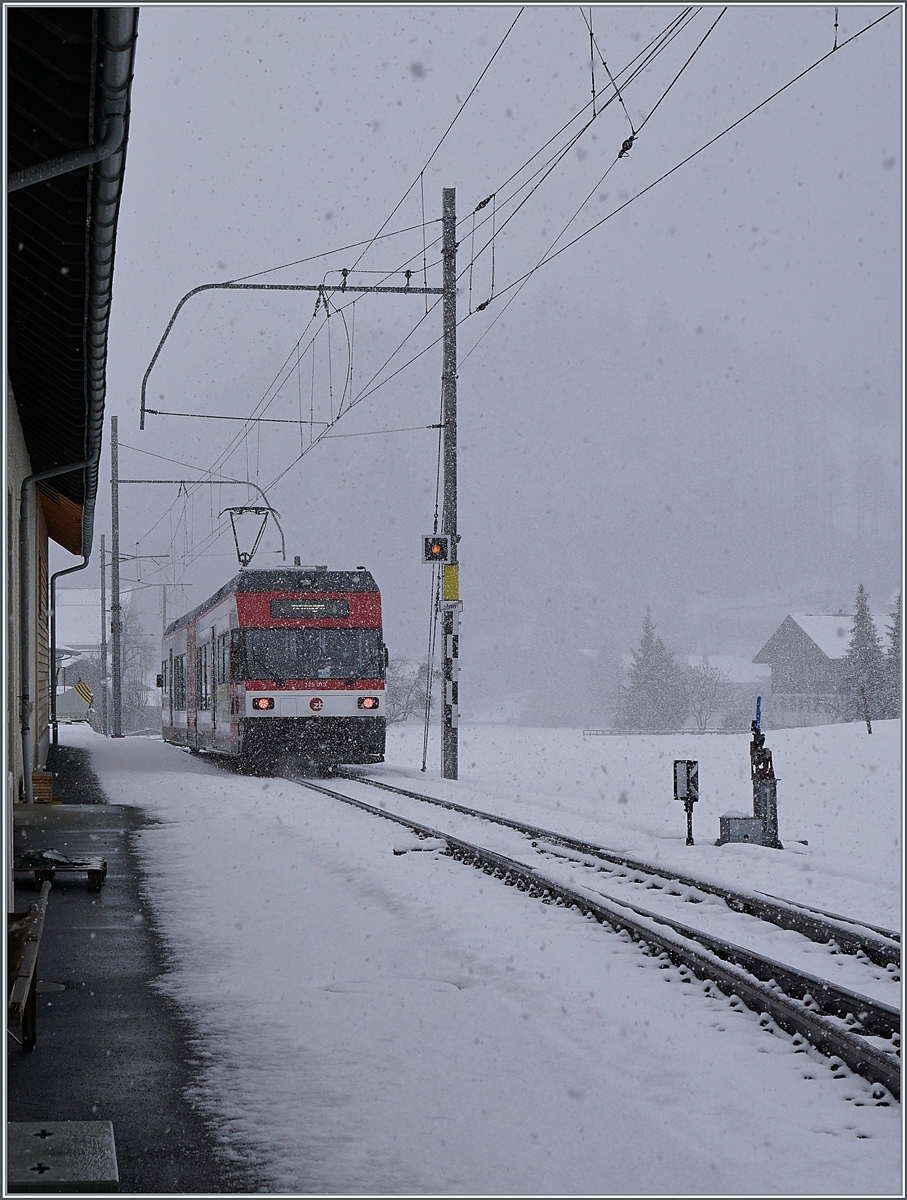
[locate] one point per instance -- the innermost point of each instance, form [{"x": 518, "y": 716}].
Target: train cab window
[{"x": 282, "y": 654}]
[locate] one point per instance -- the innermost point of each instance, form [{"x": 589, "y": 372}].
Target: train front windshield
[{"x": 281, "y": 654}]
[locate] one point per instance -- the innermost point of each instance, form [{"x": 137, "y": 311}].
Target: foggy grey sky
[{"x": 696, "y": 408}]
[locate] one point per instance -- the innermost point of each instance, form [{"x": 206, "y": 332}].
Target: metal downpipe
[
  {"x": 25, "y": 609},
  {"x": 53, "y": 644},
  {"x": 111, "y": 141}
]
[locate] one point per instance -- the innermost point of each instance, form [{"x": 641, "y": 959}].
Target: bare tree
[
  {"x": 406, "y": 689},
  {"x": 705, "y": 690},
  {"x": 399, "y": 697}
]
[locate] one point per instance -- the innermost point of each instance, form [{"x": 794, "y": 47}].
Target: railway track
[
  {"x": 845, "y": 1025},
  {"x": 881, "y": 946}
]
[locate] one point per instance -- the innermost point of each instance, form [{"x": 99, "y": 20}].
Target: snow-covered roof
[{"x": 831, "y": 632}]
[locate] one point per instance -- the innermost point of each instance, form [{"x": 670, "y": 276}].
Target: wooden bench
[{"x": 23, "y": 935}]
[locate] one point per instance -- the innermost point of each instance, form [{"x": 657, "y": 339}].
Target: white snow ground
[{"x": 379, "y": 1023}]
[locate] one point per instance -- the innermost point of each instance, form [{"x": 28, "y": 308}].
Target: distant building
[
  {"x": 78, "y": 644},
  {"x": 805, "y": 654}
]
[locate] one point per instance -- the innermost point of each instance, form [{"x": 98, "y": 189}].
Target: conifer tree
[
  {"x": 863, "y": 668},
  {"x": 655, "y": 697},
  {"x": 893, "y": 665}
]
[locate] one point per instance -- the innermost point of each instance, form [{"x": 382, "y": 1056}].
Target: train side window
[
  {"x": 223, "y": 658},
  {"x": 179, "y": 682},
  {"x": 202, "y": 668},
  {"x": 237, "y": 656},
  {"x": 165, "y": 682}
]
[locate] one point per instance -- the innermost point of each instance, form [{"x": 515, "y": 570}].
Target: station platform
[{"x": 109, "y": 1047}]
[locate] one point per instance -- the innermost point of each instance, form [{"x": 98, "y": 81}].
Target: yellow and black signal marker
[
  {"x": 84, "y": 691},
  {"x": 450, "y": 586}
]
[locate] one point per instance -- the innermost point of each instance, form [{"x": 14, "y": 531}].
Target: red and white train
[{"x": 284, "y": 664}]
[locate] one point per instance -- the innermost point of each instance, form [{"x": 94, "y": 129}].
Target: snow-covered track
[
  {"x": 837, "y": 1022},
  {"x": 890, "y": 935},
  {"x": 881, "y": 946}
]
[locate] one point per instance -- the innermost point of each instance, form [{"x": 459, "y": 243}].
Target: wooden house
[{"x": 806, "y": 654}]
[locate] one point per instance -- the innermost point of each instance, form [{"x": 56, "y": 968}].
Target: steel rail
[
  {"x": 684, "y": 947},
  {"x": 891, "y": 935},
  {"x": 881, "y": 946},
  {"x": 873, "y": 1017}
]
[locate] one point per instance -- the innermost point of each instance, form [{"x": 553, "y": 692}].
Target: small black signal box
[
  {"x": 686, "y": 780},
  {"x": 436, "y": 548}
]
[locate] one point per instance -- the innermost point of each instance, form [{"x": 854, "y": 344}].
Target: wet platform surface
[{"x": 109, "y": 1047}]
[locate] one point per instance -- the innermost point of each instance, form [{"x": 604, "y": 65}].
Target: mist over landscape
[{"x": 695, "y": 410}]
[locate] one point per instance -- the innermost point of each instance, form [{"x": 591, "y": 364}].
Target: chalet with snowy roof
[{"x": 805, "y": 654}]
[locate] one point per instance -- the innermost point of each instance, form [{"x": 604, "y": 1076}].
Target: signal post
[{"x": 451, "y": 605}]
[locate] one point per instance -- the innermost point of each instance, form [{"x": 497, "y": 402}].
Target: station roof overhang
[{"x": 69, "y": 75}]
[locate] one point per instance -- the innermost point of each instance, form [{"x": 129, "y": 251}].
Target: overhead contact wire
[
  {"x": 702, "y": 148},
  {"x": 457, "y": 115}
]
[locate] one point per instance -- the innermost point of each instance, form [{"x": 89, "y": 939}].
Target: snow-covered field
[{"x": 371, "y": 1022}]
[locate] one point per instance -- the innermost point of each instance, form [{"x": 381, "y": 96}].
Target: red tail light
[
  {"x": 263, "y": 702},
  {"x": 367, "y": 701}
]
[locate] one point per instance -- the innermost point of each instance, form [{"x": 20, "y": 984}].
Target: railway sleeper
[
  {"x": 880, "y": 946},
  {"x": 816, "y": 994},
  {"x": 691, "y": 948},
  {"x": 746, "y": 990}
]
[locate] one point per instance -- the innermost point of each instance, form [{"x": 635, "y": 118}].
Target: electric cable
[
  {"x": 443, "y": 136},
  {"x": 593, "y": 46},
  {"x": 298, "y": 262},
  {"x": 226, "y": 454},
  {"x": 637, "y": 132},
  {"x": 624, "y": 149},
  {"x": 703, "y": 147},
  {"x": 550, "y": 256},
  {"x": 521, "y": 279}
]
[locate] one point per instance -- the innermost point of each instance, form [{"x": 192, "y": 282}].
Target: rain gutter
[{"x": 117, "y": 33}]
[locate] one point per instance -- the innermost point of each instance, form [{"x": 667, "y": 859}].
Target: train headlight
[
  {"x": 263, "y": 702},
  {"x": 367, "y": 701}
]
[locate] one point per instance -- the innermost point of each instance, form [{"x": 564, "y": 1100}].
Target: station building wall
[{"x": 18, "y": 468}]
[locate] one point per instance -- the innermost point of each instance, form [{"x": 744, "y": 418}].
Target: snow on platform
[{"x": 376, "y": 1022}]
